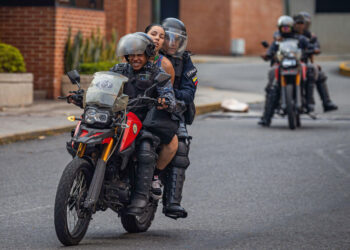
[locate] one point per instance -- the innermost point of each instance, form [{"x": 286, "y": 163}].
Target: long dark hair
[{"x": 149, "y": 27}]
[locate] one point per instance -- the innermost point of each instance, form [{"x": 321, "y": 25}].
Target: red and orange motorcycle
[{"x": 103, "y": 170}]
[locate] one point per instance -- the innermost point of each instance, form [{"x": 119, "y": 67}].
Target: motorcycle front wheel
[
  {"x": 71, "y": 220},
  {"x": 292, "y": 119},
  {"x": 139, "y": 224}
]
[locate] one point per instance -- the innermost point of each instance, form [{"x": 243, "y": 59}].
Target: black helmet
[
  {"x": 135, "y": 43},
  {"x": 150, "y": 48},
  {"x": 299, "y": 18},
  {"x": 307, "y": 18},
  {"x": 175, "y": 37},
  {"x": 285, "y": 25}
]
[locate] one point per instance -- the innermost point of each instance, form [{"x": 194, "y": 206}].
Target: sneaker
[{"x": 156, "y": 190}]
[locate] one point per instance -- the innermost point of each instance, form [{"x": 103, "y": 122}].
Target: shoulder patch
[
  {"x": 191, "y": 73},
  {"x": 195, "y": 80}
]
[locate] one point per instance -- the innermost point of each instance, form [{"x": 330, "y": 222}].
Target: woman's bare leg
[{"x": 167, "y": 153}]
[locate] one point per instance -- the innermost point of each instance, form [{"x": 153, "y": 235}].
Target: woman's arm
[{"x": 168, "y": 68}]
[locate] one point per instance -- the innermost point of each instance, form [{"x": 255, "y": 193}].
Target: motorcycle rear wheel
[
  {"x": 292, "y": 119},
  {"x": 71, "y": 192},
  {"x": 139, "y": 224}
]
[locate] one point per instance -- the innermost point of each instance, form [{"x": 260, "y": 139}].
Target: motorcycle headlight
[
  {"x": 92, "y": 115},
  {"x": 289, "y": 63}
]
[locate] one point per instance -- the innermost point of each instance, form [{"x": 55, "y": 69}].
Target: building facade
[{"x": 39, "y": 28}]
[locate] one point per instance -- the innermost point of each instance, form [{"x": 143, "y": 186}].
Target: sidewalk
[
  {"x": 245, "y": 59},
  {"x": 49, "y": 117}
]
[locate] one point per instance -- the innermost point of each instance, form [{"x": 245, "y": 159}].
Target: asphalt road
[{"x": 247, "y": 187}]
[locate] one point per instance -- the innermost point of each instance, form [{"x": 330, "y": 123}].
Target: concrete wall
[{"x": 333, "y": 29}]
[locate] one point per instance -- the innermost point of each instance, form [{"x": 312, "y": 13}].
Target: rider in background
[
  {"x": 321, "y": 84},
  {"x": 285, "y": 31},
  {"x": 185, "y": 86}
]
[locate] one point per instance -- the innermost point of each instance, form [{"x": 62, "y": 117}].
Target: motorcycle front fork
[
  {"x": 99, "y": 173},
  {"x": 298, "y": 102}
]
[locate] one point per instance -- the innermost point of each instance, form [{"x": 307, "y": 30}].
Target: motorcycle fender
[{"x": 93, "y": 136}]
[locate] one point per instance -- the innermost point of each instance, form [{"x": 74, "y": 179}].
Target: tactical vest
[
  {"x": 178, "y": 68},
  {"x": 138, "y": 81}
]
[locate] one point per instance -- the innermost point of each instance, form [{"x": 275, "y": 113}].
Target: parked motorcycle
[
  {"x": 290, "y": 76},
  {"x": 103, "y": 171}
]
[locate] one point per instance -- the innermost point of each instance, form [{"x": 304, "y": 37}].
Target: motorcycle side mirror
[
  {"x": 162, "y": 79},
  {"x": 265, "y": 44},
  {"x": 74, "y": 77}
]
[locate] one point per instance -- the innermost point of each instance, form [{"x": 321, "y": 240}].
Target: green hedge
[
  {"x": 90, "y": 68},
  {"x": 11, "y": 59}
]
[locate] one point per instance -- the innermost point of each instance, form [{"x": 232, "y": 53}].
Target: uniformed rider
[
  {"x": 185, "y": 85},
  {"x": 321, "y": 84},
  {"x": 137, "y": 49}
]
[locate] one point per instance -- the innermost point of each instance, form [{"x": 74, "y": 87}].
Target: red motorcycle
[{"x": 103, "y": 170}]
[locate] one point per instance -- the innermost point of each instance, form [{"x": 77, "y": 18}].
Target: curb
[
  {"x": 344, "y": 68},
  {"x": 34, "y": 134},
  {"x": 200, "y": 109}
]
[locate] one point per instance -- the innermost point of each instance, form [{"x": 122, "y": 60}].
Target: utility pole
[
  {"x": 287, "y": 7},
  {"x": 156, "y": 11}
]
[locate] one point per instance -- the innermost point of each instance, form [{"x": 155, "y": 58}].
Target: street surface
[{"x": 247, "y": 187}]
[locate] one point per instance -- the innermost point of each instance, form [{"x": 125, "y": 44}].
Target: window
[
  {"x": 86, "y": 4},
  {"x": 332, "y": 6}
]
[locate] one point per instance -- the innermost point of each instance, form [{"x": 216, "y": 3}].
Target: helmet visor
[
  {"x": 286, "y": 29},
  {"x": 175, "y": 42},
  {"x": 131, "y": 44}
]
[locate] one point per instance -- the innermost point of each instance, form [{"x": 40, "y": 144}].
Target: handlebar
[{"x": 145, "y": 101}]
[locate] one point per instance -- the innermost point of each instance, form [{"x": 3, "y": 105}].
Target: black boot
[
  {"x": 322, "y": 89},
  {"x": 271, "y": 101},
  {"x": 146, "y": 164},
  {"x": 310, "y": 101},
  {"x": 173, "y": 193}
]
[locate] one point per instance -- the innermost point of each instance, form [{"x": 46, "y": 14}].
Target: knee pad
[
  {"x": 321, "y": 77},
  {"x": 145, "y": 152},
  {"x": 310, "y": 74},
  {"x": 181, "y": 159},
  {"x": 182, "y": 131}
]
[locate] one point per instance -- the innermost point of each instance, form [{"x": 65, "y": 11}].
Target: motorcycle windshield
[
  {"x": 106, "y": 91},
  {"x": 289, "y": 46}
]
